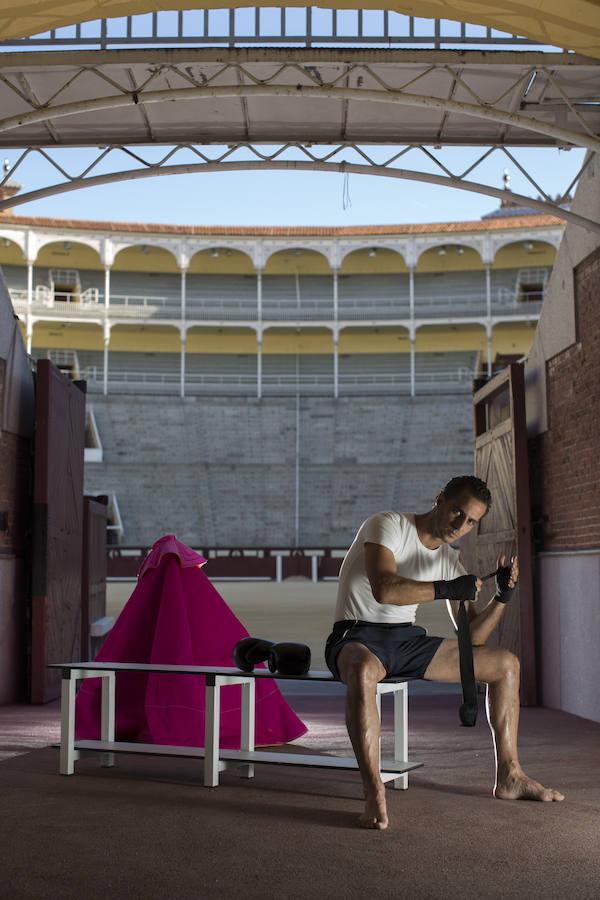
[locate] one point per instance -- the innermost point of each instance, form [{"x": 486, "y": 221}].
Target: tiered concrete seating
[{"x": 224, "y": 473}]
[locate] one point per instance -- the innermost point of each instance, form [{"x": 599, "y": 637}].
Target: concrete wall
[
  {"x": 563, "y": 405},
  {"x": 16, "y": 430}
]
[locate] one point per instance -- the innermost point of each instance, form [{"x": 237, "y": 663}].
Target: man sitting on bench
[{"x": 396, "y": 561}]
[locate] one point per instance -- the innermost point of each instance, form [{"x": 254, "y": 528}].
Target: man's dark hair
[{"x": 476, "y": 487}]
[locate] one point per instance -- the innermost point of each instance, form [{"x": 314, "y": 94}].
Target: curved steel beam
[
  {"x": 301, "y": 166},
  {"x": 48, "y": 114}
]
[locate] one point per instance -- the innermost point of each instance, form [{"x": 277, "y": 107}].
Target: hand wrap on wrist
[
  {"x": 503, "y": 591},
  {"x": 462, "y": 588}
]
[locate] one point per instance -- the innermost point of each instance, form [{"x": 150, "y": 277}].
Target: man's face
[{"x": 457, "y": 515}]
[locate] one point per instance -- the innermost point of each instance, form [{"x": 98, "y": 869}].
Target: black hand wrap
[
  {"x": 503, "y": 591},
  {"x": 462, "y": 588}
]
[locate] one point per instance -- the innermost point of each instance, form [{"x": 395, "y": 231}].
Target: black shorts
[{"x": 403, "y": 649}]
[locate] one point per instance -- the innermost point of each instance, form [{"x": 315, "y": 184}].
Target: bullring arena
[{"x": 197, "y": 418}]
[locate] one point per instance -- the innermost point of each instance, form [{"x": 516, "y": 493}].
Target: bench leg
[
  {"x": 248, "y": 722},
  {"x": 401, "y": 733},
  {"x": 108, "y": 717},
  {"x": 67, "y": 726},
  {"x": 211, "y": 730}
]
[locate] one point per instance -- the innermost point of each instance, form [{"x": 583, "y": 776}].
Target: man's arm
[
  {"x": 388, "y": 587},
  {"x": 481, "y": 624}
]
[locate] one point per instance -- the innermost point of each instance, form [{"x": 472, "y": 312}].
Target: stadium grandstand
[{"x": 312, "y": 373}]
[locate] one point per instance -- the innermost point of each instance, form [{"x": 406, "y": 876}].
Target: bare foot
[
  {"x": 513, "y": 784},
  {"x": 375, "y": 814}
]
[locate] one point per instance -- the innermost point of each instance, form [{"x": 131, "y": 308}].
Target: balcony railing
[
  {"x": 139, "y": 307},
  {"x": 284, "y": 384}
]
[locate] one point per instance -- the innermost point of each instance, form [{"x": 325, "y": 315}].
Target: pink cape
[{"x": 176, "y": 616}]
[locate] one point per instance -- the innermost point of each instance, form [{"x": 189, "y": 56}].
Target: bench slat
[
  {"x": 202, "y": 670},
  {"x": 245, "y": 756}
]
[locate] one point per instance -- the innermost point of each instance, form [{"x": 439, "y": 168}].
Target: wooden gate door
[
  {"x": 501, "y": 461},
  {"x": 57, "y": 528},
  {"x": 93, "y": 578}
]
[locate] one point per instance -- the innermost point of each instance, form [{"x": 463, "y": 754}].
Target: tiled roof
[{"x": 499, "y": 224}]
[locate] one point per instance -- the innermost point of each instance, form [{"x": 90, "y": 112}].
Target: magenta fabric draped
[{"x": 176, "y": 616}]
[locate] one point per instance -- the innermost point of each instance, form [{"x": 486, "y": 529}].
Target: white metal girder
[
  {"x": 561, "y": 136},
  {"x": 530, "y": 99},
  {"x": 309, "y": 161}
]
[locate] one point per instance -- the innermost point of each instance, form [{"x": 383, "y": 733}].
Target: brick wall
[{"x": 564, "y": 474}]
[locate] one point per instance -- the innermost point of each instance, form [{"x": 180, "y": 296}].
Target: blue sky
[{"x": 290, "y": 198}]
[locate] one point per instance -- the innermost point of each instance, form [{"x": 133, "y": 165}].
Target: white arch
[
  {"x": 15, "y": 237},
  {"x": 422, "y": 246},
  {"x": 377, "y": 244},
  {"x": 212, "y": 245},
  {"x": 271, "y": 250},
  {"x": 41, "y": 241},
  {"x": 522, "y": 239},
  {"x": 119, "y": 246}
]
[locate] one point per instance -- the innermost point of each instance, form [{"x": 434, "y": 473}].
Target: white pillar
[
  {"x": 259, "y": 294},
  {"x": 259, "y": 367},
  {"x": 412, "y": 362},
  {"x": 106, "y": 343},
  {"x": 29, "y": 283},
  {"x": 489, "y": 349},
  {"x": 336, "y": 347},
  {"x": 107, "y": 287},
  {"x": 411, "y": 291},
  {"x": 29, "y": 333},
  {"x": 183, "y": 296},
  {"x": 335, "y": 295},
  {"x": 488, "y": 289},
  {"x": 182, "y": 379}
]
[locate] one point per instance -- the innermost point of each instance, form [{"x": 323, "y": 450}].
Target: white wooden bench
[{"x": 215, "y": 758}]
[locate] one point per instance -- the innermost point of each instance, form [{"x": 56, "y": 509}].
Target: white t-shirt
[{"x": 414, "y": 560}]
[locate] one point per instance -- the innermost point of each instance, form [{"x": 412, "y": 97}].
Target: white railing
[
  {"x": 461, "y": 375},
  {"x": 143, "y": 307}
]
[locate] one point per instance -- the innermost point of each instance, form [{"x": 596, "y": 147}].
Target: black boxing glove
[
  {"x": 288, "y": 658},
  {"x": 462, "y": 588},
  {"x": 503, "y": 591},
  {"x": 250, "y": 651}
]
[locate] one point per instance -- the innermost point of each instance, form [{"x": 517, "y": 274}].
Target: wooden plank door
[
  {"x": 57, "y": 528},
  {"x": 501, "y": 461},
  {"x": 93, "y": 577}
]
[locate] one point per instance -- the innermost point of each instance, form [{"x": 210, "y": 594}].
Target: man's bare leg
[
  {"x": 360, "y": 670},
  {"x": 500, "y": 670}
]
